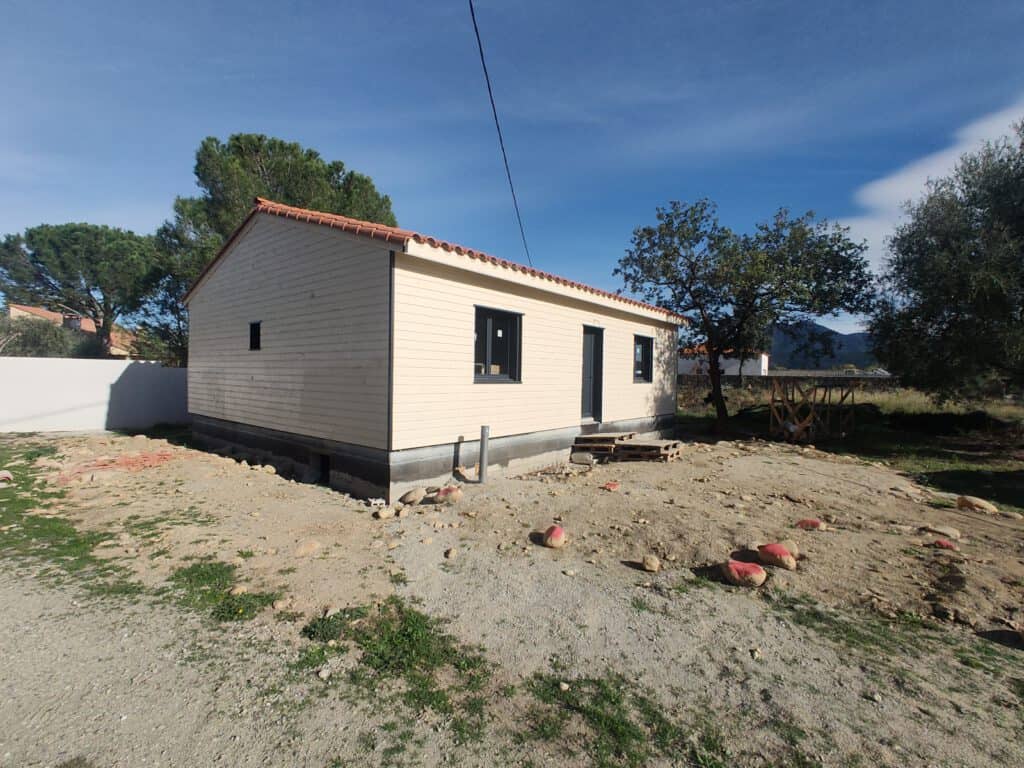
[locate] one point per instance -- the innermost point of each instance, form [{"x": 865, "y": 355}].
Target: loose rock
[
  {"x": 810, "y": 524},
  {"x": 581, "y": 457},
  {"x": 307, "y": 548},
  {"x": 611, "y": 485},
  {"x": 554, "y": 537},
  {"x": 777, "y": 555},
  {"x": 946, "y": 531},
  {"x": 651, "y": 564},
  {"x": 743, "y": 574},
  {"x": 415, "y": 496},
  {"x": 239, "y": 590},
  {"x": 451, "y": 554},
  {"x": 974, "y": 504},
  {"x": 449, "y": 494},
  {"x": 383, "y": 513}
]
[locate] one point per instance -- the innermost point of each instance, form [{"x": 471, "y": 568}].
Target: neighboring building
[
  {"x": 694, "y": 362},
  {"x": 121, "y": 340},
  {"x": 372, "y": 355}
]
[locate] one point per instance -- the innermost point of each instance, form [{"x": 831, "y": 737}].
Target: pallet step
[{"x": 604, "y": 437}]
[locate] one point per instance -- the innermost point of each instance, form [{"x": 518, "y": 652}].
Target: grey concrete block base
[{"x": 377, "y": 472}]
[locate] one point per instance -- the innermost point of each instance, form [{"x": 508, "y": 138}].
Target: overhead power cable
[{"x": 501, "y": 140}]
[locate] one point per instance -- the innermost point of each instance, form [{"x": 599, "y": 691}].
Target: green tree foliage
[
  {"x": 231, "y": 174},
  {"x": 34, "y": 337},
  {"x": 732, "y": 287},
  {"x": 951, "y": 320},
  {"x": 98, "y": 272}
]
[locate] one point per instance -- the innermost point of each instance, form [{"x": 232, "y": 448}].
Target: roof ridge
[{"x": 397, "y": 235}]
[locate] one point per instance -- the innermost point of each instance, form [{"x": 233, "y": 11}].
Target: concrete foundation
[{"x": 375, "y": 472}]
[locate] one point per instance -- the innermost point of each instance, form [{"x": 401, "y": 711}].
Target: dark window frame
[
  {"x": 515, "y": 374},
  {"x": 256, "y": 336},
  {"x": 643, "y": 369}
]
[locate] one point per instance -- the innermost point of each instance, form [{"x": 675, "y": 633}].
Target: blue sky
[{"x": 608, "y": 108}]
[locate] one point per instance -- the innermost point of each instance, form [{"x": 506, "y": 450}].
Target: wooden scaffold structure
[{"x": 803, "y": 409}]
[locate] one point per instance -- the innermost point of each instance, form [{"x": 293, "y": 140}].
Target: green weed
[
  {"x": 399, "y": 643},
  {"x": 205, "y": 586},
  {"x": 614, "y": 725}
]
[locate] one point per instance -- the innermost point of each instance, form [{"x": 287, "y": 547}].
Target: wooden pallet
[
  {"x": 601, "y": 444},
  {"x": 604, "y": 437},
  {"x": 648, "y": 450}
]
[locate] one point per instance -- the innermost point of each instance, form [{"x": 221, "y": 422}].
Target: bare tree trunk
[
  {"x": 103, "y": 331},
  {"x": 717, "y": 398}
]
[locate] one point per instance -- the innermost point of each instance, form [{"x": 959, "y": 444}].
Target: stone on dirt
[
  {"x": 582, "y": 457},
  {"x": 239, "y": 590},
  {"x": 743, "y": 574},
  {"x": 307, "y": 548},
  {"x": 384, "y": 513},
  {"x": 554, "y": 537},
  {"x": 792, "y": 546},
  {"x": 777, "y": 555},
  {"x": 974, "y": 504},
  {"x": 415, "y": 496},
  {"x": 651, "y": 564},
  {"x": 451, "y": 554},
  {"x": 611, "y": 485},
  {"x": 449, "y": 494},
  {"x": 324, "y": 673},
  {"x": 947, "y": 531},
  {"x": 810, "y": 524}
]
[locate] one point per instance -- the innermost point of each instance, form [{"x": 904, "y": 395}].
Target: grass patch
[
  {"x": 401, "y": 644},
  {"x": 53, "y": 542},
  {"x": 205, "y": 586},
  {"x": 867, "y": 633},
  {"x": 614, "y": 725}
]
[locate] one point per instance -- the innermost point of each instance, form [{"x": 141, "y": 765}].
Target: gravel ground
[{"x": 144, "y": 682}]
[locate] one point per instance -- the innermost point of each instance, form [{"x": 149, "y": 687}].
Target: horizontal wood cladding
[
  {"x": 321, "y": 297},
  {"x": 436, "y": 400}
]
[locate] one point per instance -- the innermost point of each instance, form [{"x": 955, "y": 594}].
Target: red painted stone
[
  {"x": 777, "y": 555},
  {"x": 744, "y": 574},
  {"x": 554, "y": 537},
  {"x": 809, "y": 524}
]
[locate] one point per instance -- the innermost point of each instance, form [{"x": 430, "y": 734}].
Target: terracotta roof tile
[
  {"x": 401, "y": 236},
  {"x": 45, "y": 314}
]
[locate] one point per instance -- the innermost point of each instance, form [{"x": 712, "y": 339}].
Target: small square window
[
  {"x": 497, "y": 345},
  {"x": 254, "y": 336},
  {"x": 643, "y": 359}
]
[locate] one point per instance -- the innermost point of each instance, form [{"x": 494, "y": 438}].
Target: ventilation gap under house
[{"x": 323, "y": 469}]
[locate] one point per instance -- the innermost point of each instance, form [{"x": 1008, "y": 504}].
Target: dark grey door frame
[{"x": 593, "y": 373}]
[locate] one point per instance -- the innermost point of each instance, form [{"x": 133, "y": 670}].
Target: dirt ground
[{"x": 881, "y": 648}]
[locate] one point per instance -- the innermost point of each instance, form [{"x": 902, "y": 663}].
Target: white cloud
[{"x": 882, "y": 199}]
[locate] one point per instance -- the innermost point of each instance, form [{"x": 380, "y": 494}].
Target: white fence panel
[{"x": 53, "y": 394}]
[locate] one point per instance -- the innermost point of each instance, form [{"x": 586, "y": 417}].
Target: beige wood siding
[
  {"x": 322, "y": 299},
  {"x": 435, "y": 398}
]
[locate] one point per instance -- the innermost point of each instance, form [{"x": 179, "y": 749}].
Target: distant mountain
[{"x": 847, "y": 348}]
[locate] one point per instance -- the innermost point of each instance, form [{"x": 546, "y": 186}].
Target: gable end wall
[{"x": 322, "y": 298}]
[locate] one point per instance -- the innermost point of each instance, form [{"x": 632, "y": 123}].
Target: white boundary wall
[{"x": 56, "y": 394}]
